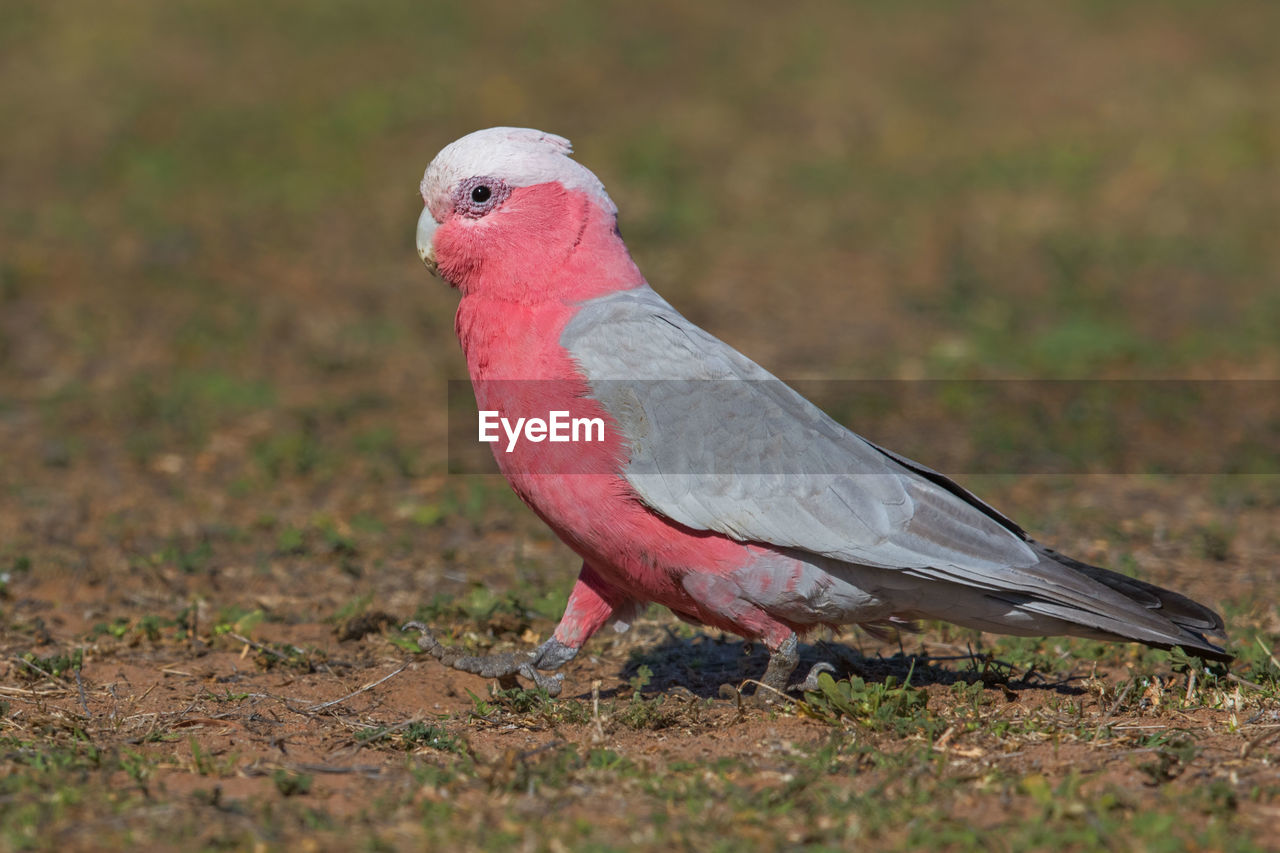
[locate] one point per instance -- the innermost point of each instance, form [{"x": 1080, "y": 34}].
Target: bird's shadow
[{"x": 703, "y": 664}]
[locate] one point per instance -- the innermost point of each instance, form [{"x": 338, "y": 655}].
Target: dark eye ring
[{"x": 480, "y": 194}]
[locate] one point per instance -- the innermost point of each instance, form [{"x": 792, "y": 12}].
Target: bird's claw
[
  {"x": 810, "y": 683},
  {"x": 552, "y": 683},
  {"x": 504, "y": 666},
  {"x": 766, "y": 695}
]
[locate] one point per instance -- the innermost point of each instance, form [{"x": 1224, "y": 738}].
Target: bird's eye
[{"x": 476, "y": 197}]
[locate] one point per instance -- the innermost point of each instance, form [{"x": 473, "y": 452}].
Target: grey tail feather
[{"x": 1193, "y": 618}]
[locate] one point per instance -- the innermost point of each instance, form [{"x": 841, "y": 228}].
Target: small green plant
[
  {"x": 207, "y": 764},
  {"x": 481, "y": 708},
  {"x": 291, "y": 541},
  {"x": 412, "y": 736},
  {"x": 117, "y": 628},
  {"x": 336, "y": 541},
  {"x": 640, "y": 680},
  {"x": 271, "y": 655},
  {"x": 297, "y": 453},
  {"x": 291, "y": 784},
  {"x": 424, "y": 735},
  {"x": 1173, "y": 752},
  {"x": 51, "y": 666},
  {"x": 971, "y": 697},
  {"x": 188, "y": 559},
  {"x": 138, "y": 766},
  {"x": 405, "y": 641},
  {"x": 641, "y": 713},
  {"x": 237, "y": 620},
  {"x": 878, "y": 706}
]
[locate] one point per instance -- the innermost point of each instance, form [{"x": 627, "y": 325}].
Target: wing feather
[{"x": 718, "y": 443}]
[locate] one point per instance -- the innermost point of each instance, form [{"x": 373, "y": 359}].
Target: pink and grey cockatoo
[{"x": 718, "y": 491}]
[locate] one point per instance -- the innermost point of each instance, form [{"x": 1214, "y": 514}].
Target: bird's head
[{"x": 505, "y": 208}]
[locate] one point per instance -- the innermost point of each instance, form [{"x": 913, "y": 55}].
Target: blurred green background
[
  {"x": 853, "y": 189},
  {"x": 208, "y": 288}
]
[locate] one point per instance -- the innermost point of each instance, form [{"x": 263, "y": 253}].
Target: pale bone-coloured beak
[{"x": 426, "y": 230}]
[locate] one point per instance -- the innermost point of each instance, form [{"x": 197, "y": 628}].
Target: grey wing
[{"x": 717, "y": 443}]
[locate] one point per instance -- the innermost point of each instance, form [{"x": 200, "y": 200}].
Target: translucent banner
[{"x": 956, "y": 427}]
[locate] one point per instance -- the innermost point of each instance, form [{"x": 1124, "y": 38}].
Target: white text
[{"x": 558, "y": 427}]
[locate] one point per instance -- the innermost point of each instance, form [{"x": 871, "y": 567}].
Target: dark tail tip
[{"x": 1192, "y": 618}]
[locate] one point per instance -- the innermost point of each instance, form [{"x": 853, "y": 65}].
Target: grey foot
[
  {"x": 775, "y": 683},
  {"x": 505, "y": 666}
]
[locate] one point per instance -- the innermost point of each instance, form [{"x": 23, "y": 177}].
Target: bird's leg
[
  {"x": 504, "y": 666},
  {"x": 591, "y": 603},
  {"x": 783, "y": 660}
]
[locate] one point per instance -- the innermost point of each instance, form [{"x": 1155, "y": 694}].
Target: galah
[{"x": 717, "y": 490}]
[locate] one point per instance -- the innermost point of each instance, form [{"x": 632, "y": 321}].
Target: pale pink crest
[{"x": 519, "y": 156}]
